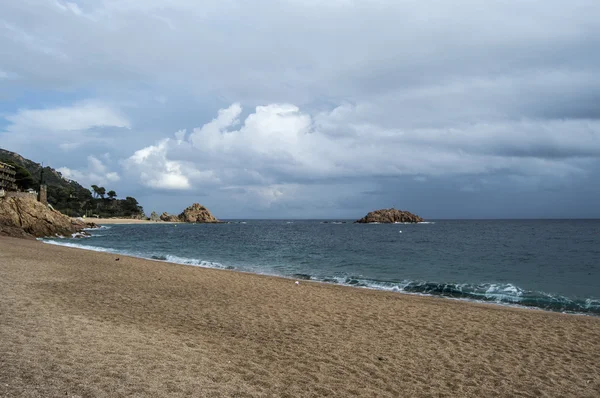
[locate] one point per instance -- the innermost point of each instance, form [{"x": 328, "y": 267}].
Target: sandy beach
[{"x": 81, "y": 324}]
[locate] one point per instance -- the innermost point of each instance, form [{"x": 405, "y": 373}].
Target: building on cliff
[{"x": 7, "y": 177}]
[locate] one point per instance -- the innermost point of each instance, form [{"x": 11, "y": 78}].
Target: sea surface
[{"x": 548, "y": 264}]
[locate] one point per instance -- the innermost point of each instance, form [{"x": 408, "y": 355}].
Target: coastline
[
  {"x": 79, "y": 322},
  {"x": 556, "y": 303},
  {"x": 108, "y": 221}
]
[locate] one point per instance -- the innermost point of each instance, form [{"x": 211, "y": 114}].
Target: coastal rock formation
[
  {"x": 198, "y": 214},
  {"x": 390, "y": 216},
  {"x": 154, "y": 216},
  {"x": 81, "y": 223},
  {"x": 169, "y": 217},
  {"x": 195, "y": 213},
  {"x": 25, "y": 217}
]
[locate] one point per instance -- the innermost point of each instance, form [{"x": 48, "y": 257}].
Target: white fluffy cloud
[
  {"x": 155, "y": 170},
  {"x": 279, "y": 144},
  {"x": 96, "y": 173}
]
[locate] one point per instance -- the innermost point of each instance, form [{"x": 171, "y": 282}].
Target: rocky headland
[
  {"x": 389, "y": 216},
  {"x": 25, "y": 217}
]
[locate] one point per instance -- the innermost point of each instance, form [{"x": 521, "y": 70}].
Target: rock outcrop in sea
[
  {"x": 390, "y": 216},
  {"x": 197, "y": 213},
  {"x": 25, "y": 217}
]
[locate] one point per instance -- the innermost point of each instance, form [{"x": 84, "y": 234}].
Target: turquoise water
[{"x": 549, "y": 264}]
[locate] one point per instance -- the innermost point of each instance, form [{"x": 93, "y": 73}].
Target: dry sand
[
  {"x": 80, "y": 324},
  {"x": 101, "y": 221}
]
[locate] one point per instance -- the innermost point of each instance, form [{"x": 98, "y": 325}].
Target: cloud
[
  {"x": 278, "y": 145},
  {"x": 5, "y": 75},
  {"x": 69, "y": 146},
  {"x": 230, "y": 48},
  {"x": 69, "y": 7},
  {"x": 155, "y": 171},
  {"x": 66, "y": 128},
  {"x": 73, "y": 118},
  {"x": 96, "y": 173},
  {"x": 323, "y": 93}
]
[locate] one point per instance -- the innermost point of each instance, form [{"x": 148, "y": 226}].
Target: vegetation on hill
[{"x": 68, "y": 196}]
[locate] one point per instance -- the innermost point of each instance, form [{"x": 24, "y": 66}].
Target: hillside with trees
[{"x": 68, "y": 196}]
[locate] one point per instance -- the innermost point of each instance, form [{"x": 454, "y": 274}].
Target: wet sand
[{"x": 80, "y": 324}]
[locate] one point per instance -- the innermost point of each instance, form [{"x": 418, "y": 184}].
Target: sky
[{"x": 312, "y": 109}]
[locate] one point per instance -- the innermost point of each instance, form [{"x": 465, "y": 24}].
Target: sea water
[{"x": 548, "y": 264}]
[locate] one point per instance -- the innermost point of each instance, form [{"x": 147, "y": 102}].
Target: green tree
[
  {"x": 101, "y": 192},
  {"x": 95, "y": 189},
  {"x": 23, "y": 178},
  {"x": 131, "y": 207},
  {"x": 112, "y": 194}
]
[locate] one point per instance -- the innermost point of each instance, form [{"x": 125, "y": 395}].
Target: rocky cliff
[
  {"x": 28, "y": 218},
  {"x": 390, "y": 216},
  {"x": 197, "y": 213}
]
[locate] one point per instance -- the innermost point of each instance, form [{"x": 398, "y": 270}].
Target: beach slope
[{"x": 81, "y": 324}]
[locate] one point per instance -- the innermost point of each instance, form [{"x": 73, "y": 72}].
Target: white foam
[
  {"x": 79, "y": 246},
  {"x": 507, "y": 292},
  {"x": 97, "y": 228},
  {"x": 169, "y": 258},
  {"x": 80, "y": 235},
  {"x": 590, "y": 303},
  {"x": 193, "y": 261}
]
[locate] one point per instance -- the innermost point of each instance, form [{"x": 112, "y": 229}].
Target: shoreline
[
  {"x": 79, "y": 323},
  {"x": 291, "y": 278},
  {"x": 302, "y": 278},
  {"x": 125, "y": 221}
]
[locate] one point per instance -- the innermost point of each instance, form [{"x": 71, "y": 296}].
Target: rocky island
[
  {"x": 389, "y": 216},
  {"x": 195, "y": 213}
]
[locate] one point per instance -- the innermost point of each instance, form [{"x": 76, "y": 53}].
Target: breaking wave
[
  {"x": 97, "y": 228},
  {"x": 190, "y": 261},
  {"x": 498, "y": 293},
  {"x": 168, "y": 257}
]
